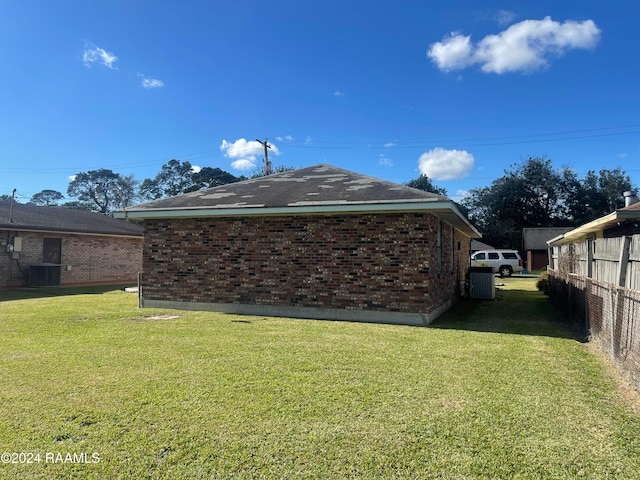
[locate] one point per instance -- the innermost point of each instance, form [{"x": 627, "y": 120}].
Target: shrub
[{"x": 543, "y": 283}]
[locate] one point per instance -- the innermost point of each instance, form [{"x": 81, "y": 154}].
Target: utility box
[
  {"x": 482, "y": 283},
  {"x": 44, "y": 275}
]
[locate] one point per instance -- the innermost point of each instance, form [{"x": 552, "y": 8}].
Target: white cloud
[
  {"x": 453, "y": 53},
  {"x": 244, "y": 154},
  {"x": 504, "y": 17},
  {"x": 523, "y": 47},
  {"x": 390, "y": 144},
  {"x": 338, "y": 93},
  {"x": 93, "y": 53},
  {"x": 244, "y": 164},
  {"x": 196, "y": 168},
  {"x": 459, "y": 195},
  {"x": 441, "y": 164},
  {"x": 287, "y": 138},
  {"x": 384, "y": 161},
  {"x": 150, "y": 82}
]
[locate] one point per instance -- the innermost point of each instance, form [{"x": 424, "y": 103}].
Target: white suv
[{"x": 504, "y": 262}]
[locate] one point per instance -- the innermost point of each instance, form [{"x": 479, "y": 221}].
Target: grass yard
[{"x": 495, "y": 390}]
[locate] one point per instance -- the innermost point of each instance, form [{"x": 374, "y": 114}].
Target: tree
[
  {"x": 600, "y": 194},
  {"x": 209, "y": 177},
  {"x": 530, "y": 194},
  {"x": 535, "y": 194},
  {"x": 174, "y": 178},
  {"x": 47, "y": 198},
  {"x": 424, "y": 183},
  {"x": 102, "y": 190}
]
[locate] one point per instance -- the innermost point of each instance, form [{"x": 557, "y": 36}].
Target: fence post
[
  {"x": 590, "y": 257},
  {"x": 624, "y": 261},
  {"x": 613, "y": 294},
  {"x": 587, "y": 319}
]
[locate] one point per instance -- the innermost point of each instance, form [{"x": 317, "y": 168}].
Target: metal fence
[{"x": 606, "y": 313}]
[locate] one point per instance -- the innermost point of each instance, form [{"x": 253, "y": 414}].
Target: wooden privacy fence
[
  {"x": 596, "y": 284},
  {"x": 610, "y": 260},
  {"x": 607, "y": 314}
]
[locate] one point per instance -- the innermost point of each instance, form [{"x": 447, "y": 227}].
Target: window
[
  {"x": 52, "y": 250},
  {"x": 510, "y": 255},
  {"x": 479, "y": 256},
  {"x": 494, "y": 256}
]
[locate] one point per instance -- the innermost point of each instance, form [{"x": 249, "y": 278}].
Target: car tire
[{"x": 505, "y": 271}]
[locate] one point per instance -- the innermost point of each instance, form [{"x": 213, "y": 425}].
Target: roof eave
[
  {"x": 66, "y": 231},
  {"x": 435, "y": 207},
  {"x": 594, "y": 226}
]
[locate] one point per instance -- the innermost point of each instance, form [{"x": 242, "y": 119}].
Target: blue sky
[{"x": 458, "y": 90}]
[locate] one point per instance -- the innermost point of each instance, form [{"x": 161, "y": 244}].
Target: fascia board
[
  {"x": 586, "y": 229},
  {"x": 319, "y": 209},
  {"x": 23, "y": 229}
]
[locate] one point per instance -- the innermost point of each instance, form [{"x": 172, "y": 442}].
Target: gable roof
[
  {"x": 64, "y": 220},
  {"x": 630, "y": 213},
  {"x": 536, "y": 238},
  {"x": 320, "y": 189}
]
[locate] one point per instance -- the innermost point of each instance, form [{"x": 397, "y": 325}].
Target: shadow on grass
[
  {"x": 521, "y": 312},
  {"x": 25, "y": 293}
]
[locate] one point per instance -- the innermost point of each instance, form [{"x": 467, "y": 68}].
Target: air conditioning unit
[
  {"x": 44, "y": 275},
  {"x": 482, "y": 283}
]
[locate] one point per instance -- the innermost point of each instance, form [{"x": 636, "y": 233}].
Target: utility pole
[
  {"x": 13, "y": 199},
  {"x": 267, "y": 163}
]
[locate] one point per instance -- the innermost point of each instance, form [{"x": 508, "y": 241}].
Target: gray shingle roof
[
  {"x": 536, "y": 238},
  {"x": 64, "y": 220},
  {"x": 319, "y": 189},
  {"x": 317, "y": 185}
]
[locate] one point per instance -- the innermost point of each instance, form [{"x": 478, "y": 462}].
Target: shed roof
[
  {"x": 536, "y": 238},
  {"x": 64, "y": 220},
  {"x": 320, "y": 189}
]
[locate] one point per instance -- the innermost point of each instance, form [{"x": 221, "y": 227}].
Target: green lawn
[{"x": 495, "y": 390}]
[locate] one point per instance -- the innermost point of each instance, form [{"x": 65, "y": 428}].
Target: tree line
[
  {"x": 532, "y": 193},
  {"x": 106, "y": 191}
]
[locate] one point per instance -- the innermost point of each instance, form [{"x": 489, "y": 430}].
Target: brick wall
[
  {"x": 84, "y": 258},
  {"x": 385, "y": 262}
]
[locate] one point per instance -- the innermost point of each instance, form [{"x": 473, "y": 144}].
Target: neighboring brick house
[
  {"x": 70, "y": 246},
  {"x": 319, "y": 242}
]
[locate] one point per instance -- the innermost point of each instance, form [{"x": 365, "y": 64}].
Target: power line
[{"x": 479, "y": 142}]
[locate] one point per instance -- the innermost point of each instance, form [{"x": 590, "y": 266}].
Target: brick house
[
  {"x": 319, "y": 242},
  {"x": 67, "y": 246}
]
